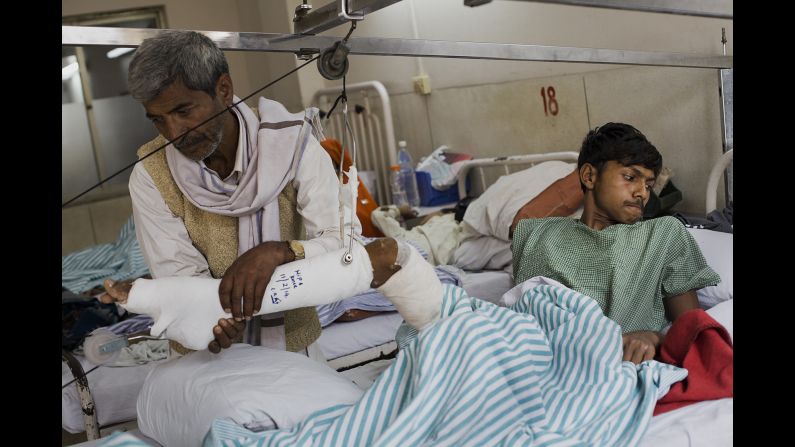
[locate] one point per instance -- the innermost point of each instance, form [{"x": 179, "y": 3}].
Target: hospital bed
[{"x": 708, "y": 423}]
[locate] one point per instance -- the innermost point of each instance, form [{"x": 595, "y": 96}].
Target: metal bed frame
[
  {"x": 505, "y": 162},
  {"x": 304, "y": 44},
  {"x": 371, "y": 120}
]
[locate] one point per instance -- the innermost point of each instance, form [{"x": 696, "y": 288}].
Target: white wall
[
  {"x": 476, "y": 94},
  {"x": 677, "y": 109},
  {"x": 504, "y": 21},
  {"x": 249, "y": 70}
]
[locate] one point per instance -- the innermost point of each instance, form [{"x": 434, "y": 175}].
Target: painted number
[{"x": 550, "y": 103}]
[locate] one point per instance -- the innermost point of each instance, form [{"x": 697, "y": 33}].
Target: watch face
[{"x": 298, "y": 249}]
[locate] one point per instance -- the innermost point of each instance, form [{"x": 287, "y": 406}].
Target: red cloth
[{"x": 701, "y": 345}]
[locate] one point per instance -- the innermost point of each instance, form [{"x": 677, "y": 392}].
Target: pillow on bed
[
  {"x": 491, "y": 214},
  {"x": 254, "y": 386},
  {"x": 482, "y": 252},
  {"x": 718, "y": 250},
  {"x": 560, "y": 199}
]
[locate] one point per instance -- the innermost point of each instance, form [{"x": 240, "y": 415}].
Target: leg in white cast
[
  {"x": 187, "y": 308},
  {"x": 414, "y": 288}
]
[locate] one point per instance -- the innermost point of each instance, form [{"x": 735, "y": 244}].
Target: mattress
[{"x": 708, "y": 423}]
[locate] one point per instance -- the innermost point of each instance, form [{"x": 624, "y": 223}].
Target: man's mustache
[{"x": 189, "y": 140}]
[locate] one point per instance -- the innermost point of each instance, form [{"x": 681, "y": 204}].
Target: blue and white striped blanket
[
  {"x": 547, "y": 371},
  {"x": 83, "y": 270}
]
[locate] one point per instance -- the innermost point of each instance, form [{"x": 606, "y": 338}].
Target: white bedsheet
[
  {"x": 341, "y": 339},
  {"x": 705, "y": 424},
  {"x": 488, "y": 285},
  {"x": 114, "y": 389}
]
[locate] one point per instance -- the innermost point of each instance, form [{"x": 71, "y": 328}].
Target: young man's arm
[
  {"x": 679, "y": 304},
  {"x": 640, "y": 346}
]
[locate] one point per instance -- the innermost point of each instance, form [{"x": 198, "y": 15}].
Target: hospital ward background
[{"x": 461, "y": 117}]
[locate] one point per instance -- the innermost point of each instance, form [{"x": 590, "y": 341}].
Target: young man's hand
[
  {"x": 248, "y": 277},
  {"x": 116, "y": 291},
  {"x": 640, "y": 346},
  {"x": 226, "y": 332}
]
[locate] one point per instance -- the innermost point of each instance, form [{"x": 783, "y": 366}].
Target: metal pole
[
  {"x": 292, "y": 43},
  {"x": 721, "y": 9}
]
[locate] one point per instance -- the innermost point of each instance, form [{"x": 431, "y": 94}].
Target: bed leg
[{"x": 86, "y": 401}]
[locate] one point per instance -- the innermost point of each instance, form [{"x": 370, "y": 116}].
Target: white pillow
[
  {"x": 482, "y": 252},
  {"x": 253, "y": 386},
  {"x": 492, "y": 213},
  {"x": 718, "y": 250}
]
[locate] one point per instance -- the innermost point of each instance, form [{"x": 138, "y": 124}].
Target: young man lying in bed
[{"x": 643, "y": 274}]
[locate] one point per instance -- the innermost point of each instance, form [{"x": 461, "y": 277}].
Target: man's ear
[
  {"x": 588, "y": 174},
  {"x": 224, "y": 89}
]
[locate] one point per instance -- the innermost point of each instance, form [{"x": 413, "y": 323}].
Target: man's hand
[
  {"x": 226, "y": 332},
  {"x": 248, "y": 277},
  {"x": 640, "y": 346}
]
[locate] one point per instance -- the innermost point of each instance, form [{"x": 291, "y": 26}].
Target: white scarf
[{"x": 272, "y": 149}]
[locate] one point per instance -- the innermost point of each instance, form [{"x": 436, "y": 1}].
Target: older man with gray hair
[{"x": 233, "y": 199}]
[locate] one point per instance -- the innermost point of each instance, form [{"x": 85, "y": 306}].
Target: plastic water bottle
[
  {"x": 407, "y": 173},
  {"x": 399, "y": 198}
]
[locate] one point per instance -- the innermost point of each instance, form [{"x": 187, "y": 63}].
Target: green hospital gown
[{"x": 627, "y": 269}]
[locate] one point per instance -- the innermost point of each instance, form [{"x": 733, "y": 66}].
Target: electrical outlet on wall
[{"x": 422, "y": 84}]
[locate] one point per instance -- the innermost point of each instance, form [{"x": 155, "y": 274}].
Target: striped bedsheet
[{"x": 547, "y": 371}]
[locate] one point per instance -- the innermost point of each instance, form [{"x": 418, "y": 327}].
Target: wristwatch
[{"x": 298, "y": 249}]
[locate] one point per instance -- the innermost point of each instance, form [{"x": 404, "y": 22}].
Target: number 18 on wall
[{"x": 550, "y": 104}]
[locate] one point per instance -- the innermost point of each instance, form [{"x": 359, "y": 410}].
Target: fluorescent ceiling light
[
  {"x": 69, "y": 71},
  {"x": 116, "y": 52}
]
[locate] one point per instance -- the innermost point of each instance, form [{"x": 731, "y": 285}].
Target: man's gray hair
[{"x": 185, "y": 55}]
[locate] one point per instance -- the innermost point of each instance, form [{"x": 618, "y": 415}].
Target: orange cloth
[
  {"x": 366, "y": 204},
  {"x": 560, "y": 199}
]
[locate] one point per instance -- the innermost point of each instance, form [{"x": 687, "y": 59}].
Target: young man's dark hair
[{"x": 618, "y": 142}]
